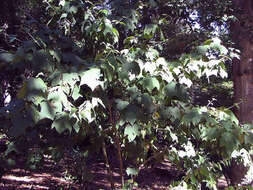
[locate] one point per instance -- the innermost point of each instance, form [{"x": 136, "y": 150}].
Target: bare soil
[{"x": 52, "y": 177}]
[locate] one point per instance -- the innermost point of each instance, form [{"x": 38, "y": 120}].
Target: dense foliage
[{"x": 97, "y": 74}]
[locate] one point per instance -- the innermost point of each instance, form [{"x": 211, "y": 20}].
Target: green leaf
[
  {"x": 131, "y": 113},
  {"x": 55, "y": 78},
  {"x": 73, "y": 59},
  {"x": 77, "y": 126},
  {"x": 104, "y": 12},
  {"x": 208, "y": 42},
  {"x": 56, "y": 55},
  {"x": 172, "y": 113},
  {"x": 6, "y": 57},
  {"x": 150, "y": 83},
  {"x": 42, "y": 61},
  {"x": 232, "y": 116},
  {"x": 133, "y": 92},
  {"x": 130, "y": 40},
  {"x": 33, "y": 90},
  {"x": 56, "y": 102},
  {"x": 216, "y": 44},
  {"x": 70, "y": 78},
  {"x": 109, "y": 71},
  {"x": 132, "y": 171},
  {"x": 48, "y": 111},
  {"x": 150, "y": 29},
  {"x": 62, "y": 123},
  {"x": 132, "y": 20},
  {"x": 11, "y": 147},
  {"x": 152, "y": 54},
  {"x": 170, "y": 90},
  {"x": 120, "y": 104},
  {"x": 129, "y": 67},
  {"x": 86, "y": 111},
  {"x": 210, "y": 133},
  {"x": 193, "y": 116},
  {"x": 147, "y": 103},
  {"x": 248, "y": 138},
  {"x": 73, "y": 9},
  {"x": 108, "y": 26},
  {"x": 131, "y": 132},
  {"x": 57, "y": 96},
  {"x": 210, "y": 121},
  {"x": 76, "y": 92},
  {"x": 91, "y": 78},
  {"x": 229, "y": 141},
  {"x": 177, "y": 91}
]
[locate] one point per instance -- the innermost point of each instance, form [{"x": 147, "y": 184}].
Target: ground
[{"x": 53, "y": 177}]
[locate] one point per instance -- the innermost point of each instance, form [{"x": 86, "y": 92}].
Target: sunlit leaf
[
  {"x": 132, "y": 171},
  {"x": 131, "y": 132},
  {"x": 91, "y": 78},
  {"x": 62, "y": 124},
  {"x": 33, "y": 90}
]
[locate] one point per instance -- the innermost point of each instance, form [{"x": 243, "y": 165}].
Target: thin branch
[
  {"x": 108, "y": 166},
  {"x": 117, "y": 141}
]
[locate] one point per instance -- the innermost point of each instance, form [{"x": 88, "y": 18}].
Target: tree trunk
[
  {"x": 243, "y": 68},
  {"x": 243, "y": 74}
]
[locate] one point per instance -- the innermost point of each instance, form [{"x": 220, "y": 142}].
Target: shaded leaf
[
  {"x": 150, "y": 83},
  {"x": 131, "y": 113},
  {"x": 120, "y": 104},
  {"x": 177, "y": 91},
  {"x": 193, "y": 116},
  {"x": 6, "y": 57},
  {"x": 229, "y": 141},
  {"x": 147, "y": 103}
]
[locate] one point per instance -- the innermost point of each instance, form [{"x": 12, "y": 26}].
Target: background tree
[{"x": 242, "y": 30}]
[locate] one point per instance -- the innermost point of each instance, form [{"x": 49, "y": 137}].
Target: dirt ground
[{"x": 52, "y": 177}]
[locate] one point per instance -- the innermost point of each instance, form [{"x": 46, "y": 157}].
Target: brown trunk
[
  {"x": 243, "y": 74},
  {"x": 243, "y": 68}
]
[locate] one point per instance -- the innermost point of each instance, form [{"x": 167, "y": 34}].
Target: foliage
[{"x": 100, "y": 73}]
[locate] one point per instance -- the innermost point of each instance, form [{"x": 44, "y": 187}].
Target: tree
[{"x": 243, "y": 74}]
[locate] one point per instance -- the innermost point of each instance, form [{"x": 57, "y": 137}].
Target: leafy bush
[{"x": 90, "y": 85}]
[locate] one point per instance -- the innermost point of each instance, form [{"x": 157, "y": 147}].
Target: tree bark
[
  {"x": 243, "y": 68},
  {"x": 243, "y": 74}
]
